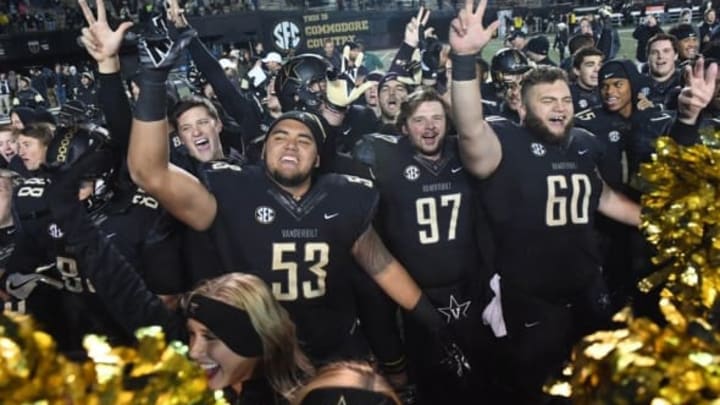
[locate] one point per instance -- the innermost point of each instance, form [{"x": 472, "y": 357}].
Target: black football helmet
[
  {"x": 508, "y": 61},
  {"x": 69, "y": 144},
  {"x": 295, "y": 78}
]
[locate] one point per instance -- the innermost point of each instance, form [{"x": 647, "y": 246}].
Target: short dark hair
[
  {"x": 412, "y": 103},
  {"x": 541, "y": 75},
  {"x": 583, "y": 53},
  {"x": 191, "y": 102},
  {"x": 41, "y": 131},
  {"x": 7, "y": 128},
  {"x": 580, "y": 41},
  {"x": 661, "y": 36}
]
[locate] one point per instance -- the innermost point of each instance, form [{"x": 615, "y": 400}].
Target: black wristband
[
  {"x": 154, "y": 76},
  {"x": 464, "y": 67},
  {"x": 152, "y": 102},
  {"x": 685, "y": 134},
  {"x": 427, "y": 315}
]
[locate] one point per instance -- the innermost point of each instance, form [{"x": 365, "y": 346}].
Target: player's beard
[
  {"x": 538, "y": 128},
  {"x": 289, "y": 181}
]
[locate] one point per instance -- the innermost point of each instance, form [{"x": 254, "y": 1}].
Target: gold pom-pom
[
  {"x": 32, "y": 371},
  {"x": 678, "y": 363}
]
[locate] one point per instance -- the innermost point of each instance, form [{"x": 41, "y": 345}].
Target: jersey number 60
[{"x": 556, "y": 210}]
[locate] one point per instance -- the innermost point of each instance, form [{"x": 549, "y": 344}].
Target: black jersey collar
[{"x": 297, "y": 208}]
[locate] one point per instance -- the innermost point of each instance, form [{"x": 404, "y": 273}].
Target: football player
[
  {"x": 541, "y": 190},
  {"x": 663, "y": 75},
  {"x": 426, "y": 219},
  {"x": 43, "y": 277},
  {"x": 506, "y": 68},
  {"x": 293, "y": 229},
  {"x": 586, "y": 66}
]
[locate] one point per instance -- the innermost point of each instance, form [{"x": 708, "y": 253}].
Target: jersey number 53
[{"x": 316, "y": 255}]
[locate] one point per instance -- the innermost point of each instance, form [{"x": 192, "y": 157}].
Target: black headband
[
  {"x": 344, "y": 395},
  {"x": 231, "y": 324}
]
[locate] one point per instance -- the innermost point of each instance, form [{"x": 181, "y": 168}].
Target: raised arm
[
  {"x": 148, "y": 158},
  {"x": 479, "y": 146},
  {"x": 410, "y": 42},
  {"x": 103, "y": 45},
  {"x": 245, "y": 111}
]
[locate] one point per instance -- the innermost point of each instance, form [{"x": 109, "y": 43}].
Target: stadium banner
[
  {"x": 309, "y": 31},
  {"x": 278, "y": 30}
]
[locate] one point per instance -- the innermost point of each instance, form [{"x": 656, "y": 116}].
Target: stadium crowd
[{"x": 322, "y": 228}]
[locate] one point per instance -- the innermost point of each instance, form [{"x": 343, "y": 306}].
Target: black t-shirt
[
  {"x": 301, "y": 249},
  {"x": 541, "y": 203}
]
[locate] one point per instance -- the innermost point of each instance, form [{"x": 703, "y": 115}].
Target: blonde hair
[
  {"x": 347, "y": 374},
  {"x": 284, "y": 365}
]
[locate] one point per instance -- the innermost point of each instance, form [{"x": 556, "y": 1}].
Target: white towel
[
  {"x": 257, "y": 75},
  {"x": 493, "y": 313}
]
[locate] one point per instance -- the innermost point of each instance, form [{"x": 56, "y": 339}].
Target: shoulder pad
[{"x": 586, "y": 115}]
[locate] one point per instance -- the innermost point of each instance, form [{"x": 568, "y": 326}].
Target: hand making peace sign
[
  {"x": 101, "y": 42},
  {"x": 698, "y": 92},
  {"x": 468, "y": 36}
]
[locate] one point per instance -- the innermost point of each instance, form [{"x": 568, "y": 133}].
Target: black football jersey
[
  {"x": 147, "y": 236},
  {"x": 45, "y": 278},
  {"x": 541, "y": 203},
  {"x": 612, "y": 131},
  {"x": 426, "y": 210},
  {"x": 658, "y": 92},
  {"x": 584, "y": 99},
  {"x": 647, "y": 126},
  {"x": 301, "y": 249}
]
